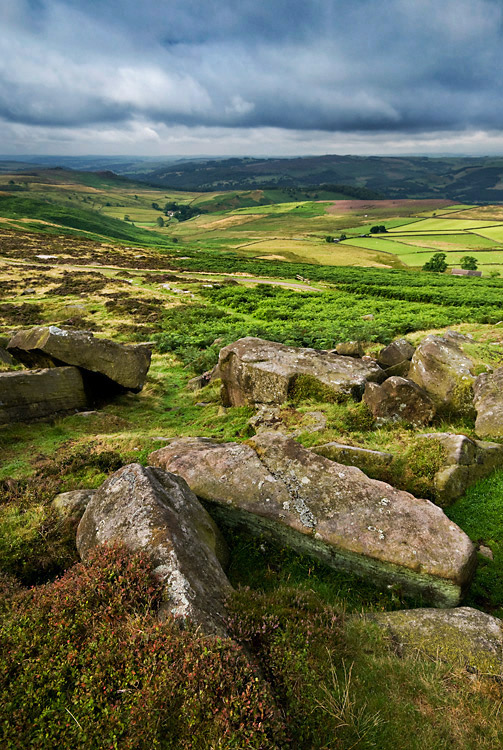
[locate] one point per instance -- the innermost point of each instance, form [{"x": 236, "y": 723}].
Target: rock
[
  {"x": 458, "y": 338},
  {"x": 71, "y": 505},
  {"x": 462, "y": 636},
  {"x": 441, "y": 368},
  {"x": 255, "y": 371},
  {"x": 488, "y": 402},
  {"x": 274, "y": 487},
  {"x": 5, "y": 357},
  {"x": 265, "y": 418},
  {"x": 50, "y": 346},
  {"x": 466, "y": 461},
  {"x": 368, "y": 317},
  {"x": 195, "y": 384},
  {"x": 350, "y": 455},
  {"x": 486, "y": 552},
  {"x": 350, "y": 349},
  {"x": 396, "y": 353},
  {"x": 399, "y": 400},
  {"x": 154, "y": 511},
  {"x": 28, "y": 395}
]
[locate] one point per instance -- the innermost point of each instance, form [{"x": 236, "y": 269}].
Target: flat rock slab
[
  {"x": 399, "y": 400},
  {"x": 466, "y": 461},
  {"x": 275, "y": 487},
  {"x": 351, "y": 455},
  {"x": 488, "y": 402},
  {"x": 29, "y": 395},
  {"x": 50, "y": 346},
  {"x": 462, "y": 636},
  {"x": 255, "y": 371},
  {"x": 152, "y": 510},
  {"x": 442, "y": 369}
]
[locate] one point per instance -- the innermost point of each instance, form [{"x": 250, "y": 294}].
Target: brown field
[{"x": 401, "y": 206}]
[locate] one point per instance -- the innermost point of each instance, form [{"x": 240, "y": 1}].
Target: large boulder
[
  {"x": 462, "y": 636},
  {"x": 50, "y": 346},
  {"x": 27, "y": 395},
  {"x": 255, "y": 371},
  {"x": 275, "y": 487},
  {"x": 399, "y": 400},
  {"x": 154, "y": 511},
  {"x": 442, "y": 369},
  {"x": 465, "y": 462},
  {"x": 488, "y": 401}
]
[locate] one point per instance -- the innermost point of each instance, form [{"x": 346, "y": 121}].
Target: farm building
[{"x": 463, "y": 272}]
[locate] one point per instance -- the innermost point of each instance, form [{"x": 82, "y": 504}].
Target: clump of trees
[
  {"x": 181, "y": 211},
  {"x": 378, "y": 229},
  {"x": 469, "y": 263},
  {"x": 436, "y": 263}
]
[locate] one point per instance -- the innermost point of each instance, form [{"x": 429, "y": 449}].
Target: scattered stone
[
  {"x": 486, "y": 551},
  {"x": 397, "y": 353},
  {"x": 154, "y": 511},
  {"x": 255, "y": 371},
  {"x": 488, "y": 402},
  {"x": 459, "y": 338},
  {"x": 350, "y": 349},
  {"x": 466, "y": 461},
  {"x": 28, "y": 292},
  {"x": 399, "y": 400},
  {"x": 86, "y": 414},
  {"x": 462, "y": 636},
  {"x": 50, "y": 346},
  {"x": 441, "y": 368},
  {"x": 351, "y": 455},
  {"x": 272, "y": 486},
  {"x": 27, "y": 395},
  {"x": 368, "y": 317},
  {"x": 71, "y": 505}
]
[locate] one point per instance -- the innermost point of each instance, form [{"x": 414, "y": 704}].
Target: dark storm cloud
[{"x": 336, "y": 65}]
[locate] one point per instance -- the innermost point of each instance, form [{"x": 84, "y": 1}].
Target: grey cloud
[{"x": 328, "y": 65}]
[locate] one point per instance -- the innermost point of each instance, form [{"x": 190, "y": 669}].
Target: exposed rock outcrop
[
  {"x": 27, "y": 395},
  {"x": 350, "y": 349},
  {"x": 442, "y": 369},
  {"x": 399, "y": 400},
  {"x": 466, "y": 461},
  {"x": 462, "y": 636},
  {"x": 488, "y": 401},
  {"x": 50, "y": 346},
  {"x": 255, "y": 371},
  {"x": 152, "y": 510},
  {"x": 274, "y": 486}
]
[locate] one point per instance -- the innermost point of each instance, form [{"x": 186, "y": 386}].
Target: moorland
[{"x": 85, "y": 662}]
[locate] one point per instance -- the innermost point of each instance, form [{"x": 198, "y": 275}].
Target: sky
[{"x": 251, "y": 77}]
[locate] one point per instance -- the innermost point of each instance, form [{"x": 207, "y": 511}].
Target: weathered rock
[
  {"x": 441, "y": 368},
  {"x": 154, "y": 511},
  {"x": 399, "y": 400},
  {"x": 5, "y": 357},
  {"x": 50, "y": 346},
  {"x": 396, "y": 353},
  {"x": 71, "y": 505},
  {"x": 350, "y": 455},
  {"x": 459, "y": 338},
  {"x": 27, "y": 395},
  {"x": 488, "y": 401},
  {"x": 466, "y": 461},
  {"x": 462, "y": 636},
  {"x": 274, "y": 486},
  {"x": 255, "y": 371},
  {"x": 350, "y": 349}
]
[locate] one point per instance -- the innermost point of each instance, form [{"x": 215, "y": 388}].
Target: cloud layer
[{"x": 188, "y": 73}]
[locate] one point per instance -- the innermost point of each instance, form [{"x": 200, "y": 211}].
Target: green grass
[{"x": 480, "y": 513}]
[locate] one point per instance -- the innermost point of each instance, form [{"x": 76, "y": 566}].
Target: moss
[{"x": 308, "y": 388}]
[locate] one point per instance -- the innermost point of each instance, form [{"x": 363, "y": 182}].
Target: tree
[
  {"x": 329, "y": 238},
  {"x": 436, "y": 263},
  {"x": 469, "y": 263},
  {"x": 160, "y": 221}
]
